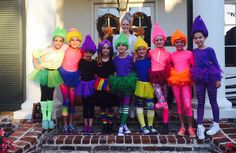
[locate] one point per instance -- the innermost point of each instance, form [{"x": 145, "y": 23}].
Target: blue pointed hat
[
  {"x": 89, "y": 45},
  {"x": 199, "y": 26}
]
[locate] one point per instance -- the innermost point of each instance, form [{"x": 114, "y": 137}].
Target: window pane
[
  {"x": 230, "y": 56},
  {"x": 103, "y": 11},
  {"x": 230, "y": 36},
  {"x": 230, "y": 14}
]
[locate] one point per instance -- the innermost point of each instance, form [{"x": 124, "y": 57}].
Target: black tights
[
  {"x": 46, "y": 93},
  {"x": 88, "y": 107}
]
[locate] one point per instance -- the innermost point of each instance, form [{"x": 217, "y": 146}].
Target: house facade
[{"x": 26, "y": 25}]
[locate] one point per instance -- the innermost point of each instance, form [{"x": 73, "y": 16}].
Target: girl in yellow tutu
[{"x": 144, "y": 92}]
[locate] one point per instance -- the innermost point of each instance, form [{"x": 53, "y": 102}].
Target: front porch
[{"x": 30, "y": 137}]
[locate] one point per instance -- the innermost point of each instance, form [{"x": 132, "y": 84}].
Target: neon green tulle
[
  {"x": 50, "y": 78},
  {"x": 123, "y": 85}
]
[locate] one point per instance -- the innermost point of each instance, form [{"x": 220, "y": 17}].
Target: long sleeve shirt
[{"x": 160, "y": 59}]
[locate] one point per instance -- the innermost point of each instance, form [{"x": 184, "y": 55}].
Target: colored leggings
[
  {"x": 46, "y": 93},
  {"x": 88, "y": 107},
  {"x": 201, "y": 88},
  {"x": 183, "y": 97},
  {"x": 160, "y": 92},
  {"x": 68, "y": 99}
]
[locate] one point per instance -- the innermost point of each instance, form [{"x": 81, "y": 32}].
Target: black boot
[{"x": 165, "y": 129}]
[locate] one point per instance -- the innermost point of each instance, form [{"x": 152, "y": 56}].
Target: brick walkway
[{"x": 29, "y": 137}]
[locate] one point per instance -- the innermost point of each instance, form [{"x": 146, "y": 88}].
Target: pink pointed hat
[{"x": 158, "y": 31}]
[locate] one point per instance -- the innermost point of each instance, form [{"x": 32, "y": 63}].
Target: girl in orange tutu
[{"x": 180, "y": 81}]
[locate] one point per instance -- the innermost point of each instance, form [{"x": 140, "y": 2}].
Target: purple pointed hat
[
  {"x": 199, "y": 26},
  {"x": 89, "y": 45}
]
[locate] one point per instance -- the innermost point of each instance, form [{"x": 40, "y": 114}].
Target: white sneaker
[
  {"x": 201, "y": 132},
  {"x": 126, "y": 129},
  {"x": 213, "y": 129},
  {"x": 121, "y": 131}
]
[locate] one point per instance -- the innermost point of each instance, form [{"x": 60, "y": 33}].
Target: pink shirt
[
  {"x": 71, "y": 59},
  {"x": 160, "y": 59},
  {"x": 182, "y": 60}
]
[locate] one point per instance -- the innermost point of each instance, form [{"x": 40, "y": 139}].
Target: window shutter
[{"x": 11, "y": 55}]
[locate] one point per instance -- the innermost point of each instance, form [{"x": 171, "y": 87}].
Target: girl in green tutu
[
  {"x": 123, "y": 83},
  {"x": 46, "y": 63}
]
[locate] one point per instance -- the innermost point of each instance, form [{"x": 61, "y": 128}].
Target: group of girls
[{"x": 133, "y": 71}]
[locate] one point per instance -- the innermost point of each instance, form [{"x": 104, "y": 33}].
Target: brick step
[
  {"x": 30, "y": 137},
  {"x": 134, "y": 142}
]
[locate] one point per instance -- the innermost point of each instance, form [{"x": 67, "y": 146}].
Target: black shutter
[{"x": 12, "y": 68}]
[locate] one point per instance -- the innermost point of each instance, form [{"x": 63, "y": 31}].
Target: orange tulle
[{"x": 179, "y": 78}]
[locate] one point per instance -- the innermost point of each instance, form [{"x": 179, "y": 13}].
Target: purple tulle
[
  {"x": 209, "y": 74},
  {"x": 70, "y": 79},
  {"x": 85, "y": 88}
]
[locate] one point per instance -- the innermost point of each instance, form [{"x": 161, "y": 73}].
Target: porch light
[{"x": 122, "y": 5}]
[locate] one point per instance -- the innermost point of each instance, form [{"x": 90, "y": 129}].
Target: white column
[
  {"x": 41, "y": 21},
  {"x": 212, "y": 13}
]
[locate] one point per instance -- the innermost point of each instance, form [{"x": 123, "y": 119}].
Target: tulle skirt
[
  {"x": 179, "y": 78},
  {"x": 210, "y": 74},
  {"x": 70, "y": 79},
  {"x": 159, "y": 77},
  {"x": 45, "y": 77},
  {"x": 123, "y": 85},
  {"x": 85, "y": 88},
  {"x": 144, "y": 90}
]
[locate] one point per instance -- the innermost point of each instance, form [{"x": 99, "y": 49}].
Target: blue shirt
[{"x": 141, "y": 68}]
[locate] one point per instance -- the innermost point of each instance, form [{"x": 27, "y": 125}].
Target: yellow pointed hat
[{"x": 140, "y": 43}]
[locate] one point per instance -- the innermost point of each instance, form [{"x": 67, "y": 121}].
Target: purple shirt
[
  {"x": 205, "y": 57},
  {"x": 123, "y": 66}
]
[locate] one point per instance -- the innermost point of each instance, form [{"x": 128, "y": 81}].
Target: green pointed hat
[
  {"x": 122, "y": 40},
  {"x": 59, "y": 32}
]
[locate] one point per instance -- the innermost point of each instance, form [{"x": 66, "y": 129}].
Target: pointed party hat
[
  {"x": 89, "y": 45},
  {"x": 122, "y": 40},
  {"x": 140, "y": 43},
  {"x": 59, "y": 32},
  {"x": 178, "y": 35},
  {"x": 158, "y": 31},
  {"x": 199, "y": 26}
]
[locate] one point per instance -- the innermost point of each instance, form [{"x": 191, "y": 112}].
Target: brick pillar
[{"x": 212, "y": 13}]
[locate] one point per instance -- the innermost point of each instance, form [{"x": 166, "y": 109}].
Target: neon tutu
[
  {"x": 179, "y": 78},
  {"x": 144, "y": 90},
  {"x": 50, "y": 78}
]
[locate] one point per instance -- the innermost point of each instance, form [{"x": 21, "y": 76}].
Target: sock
[
  {"x": 44, "y": 109},
  {"x": 150, "y": 117},
  {"x": 140, "y": 116},
  {"x": 50, "y": 109},
  {"x": 124, "y": 114}
]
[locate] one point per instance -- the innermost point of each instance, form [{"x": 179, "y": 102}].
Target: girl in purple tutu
[
  {"x": 206, "y": 74},
  {"x": 85, "y": 88}
]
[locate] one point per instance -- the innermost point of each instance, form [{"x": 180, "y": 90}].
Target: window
[{"x": 230, "y": 35}]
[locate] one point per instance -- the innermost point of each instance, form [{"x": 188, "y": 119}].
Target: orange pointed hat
[
  {"x": 158, "y": 31},
  {"x": 178, "y": 35}
]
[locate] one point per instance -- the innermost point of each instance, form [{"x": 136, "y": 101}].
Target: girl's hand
[
  {"x": 39, "y": 67},
  {"x": 218, "y": 84}
]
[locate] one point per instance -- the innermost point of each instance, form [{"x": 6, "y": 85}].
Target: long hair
[{"x": 100, "y": 48}]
